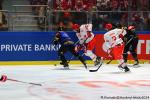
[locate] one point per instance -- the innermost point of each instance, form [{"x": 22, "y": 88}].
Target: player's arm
[
  {"x": 56, "y": 38},
  {"x": 108, "y": 42},
  {"x": 122, "y": 32},
  {"x": 80, "y": 37},
  {"x": 108, "y": 49}
]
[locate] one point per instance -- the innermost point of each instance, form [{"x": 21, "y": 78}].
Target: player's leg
[
  {"x": 125, "y": 53},
  {"x": 76, "y": 54},
  {"x": 123, "y": 66},
  {"x": 117, "y": 52},
  {"x": 133, "y": 52},
  {"x": 90, "y": 46},
  {"x": 61, "y": 55}
]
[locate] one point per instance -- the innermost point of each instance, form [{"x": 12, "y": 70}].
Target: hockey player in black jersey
[{"x": 131, "y": 41}]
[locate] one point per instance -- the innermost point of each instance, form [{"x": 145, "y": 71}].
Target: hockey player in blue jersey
[{"x": 67, "y": 44}]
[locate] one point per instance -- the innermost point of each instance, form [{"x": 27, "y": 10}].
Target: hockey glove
[
  {"x": 121, "y": 36},
  {"x": 89, "y": 34},
  {"x": 3, "y": 78},
  {"x": 55, "y": 42},
  {"x": 78, "y": 47}
]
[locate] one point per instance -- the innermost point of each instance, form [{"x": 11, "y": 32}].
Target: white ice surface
[{"x": 74, "y": 84}]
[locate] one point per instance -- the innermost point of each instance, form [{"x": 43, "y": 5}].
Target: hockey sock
[
  {"x": 134, "y": 56},
  {"x": 125, "y": 56}
]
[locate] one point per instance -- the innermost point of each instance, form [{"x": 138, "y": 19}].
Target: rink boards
[{"x": 37, "y": 47}]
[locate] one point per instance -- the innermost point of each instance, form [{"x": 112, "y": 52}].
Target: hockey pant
[
  {"x": 89, "y": 49},
  {"x": 117, "y": 52}
]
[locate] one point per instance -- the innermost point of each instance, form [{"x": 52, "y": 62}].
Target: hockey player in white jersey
[
  {"x": 87, "y": 39},
  {"x": 114, "y": 44}
]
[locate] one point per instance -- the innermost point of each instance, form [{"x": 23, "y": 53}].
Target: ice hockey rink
[{"x": 108, "y": 83}]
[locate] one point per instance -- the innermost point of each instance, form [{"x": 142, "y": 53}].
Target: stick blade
[
  {"x": 92, "y": 70},
  {"x": 96, "y": 69}
]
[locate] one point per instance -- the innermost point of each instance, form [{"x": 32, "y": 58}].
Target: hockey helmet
[
  {"x": 108, "y": 26},
  {"x": 75, "y": 26},
  {"x": 131, "y": 27}
]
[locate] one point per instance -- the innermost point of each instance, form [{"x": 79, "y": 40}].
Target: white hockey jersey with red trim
[
  {"x": 112, "y": 37},
  {"x": 85, "y": 34}
]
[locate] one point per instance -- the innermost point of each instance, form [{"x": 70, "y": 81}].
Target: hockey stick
[
  {"x": 73, "y": 55},
  {"x": 100, "y": 66},
  {"x": 129, "y": 41},
  {"x": 81, "y": 55},
  {"x": 95, "y": 70},
  {"x": 109, "y": 61},
  {"x": 24, "y": 82},
  {"x": 76, "y": 44}
]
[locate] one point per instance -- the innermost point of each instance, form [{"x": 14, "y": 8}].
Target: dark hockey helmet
[{"x": 118, "y": 25}]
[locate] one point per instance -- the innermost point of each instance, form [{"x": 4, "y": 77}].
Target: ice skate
[
  {"x": 136, "y": 63},
  {"x": 125, "y": 69},
  {"x": 99, "y": 61},
  {"x": 65, "y": 64}
]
